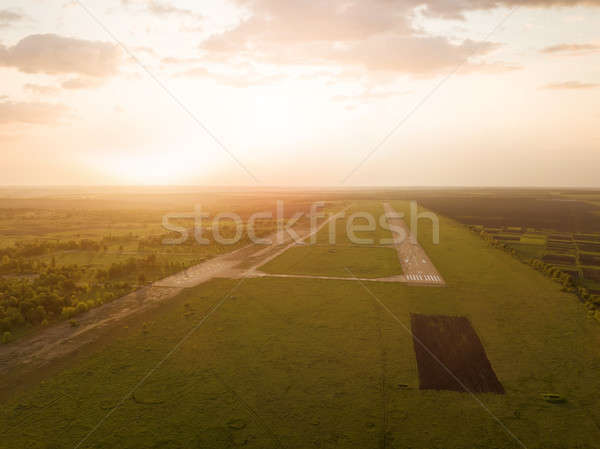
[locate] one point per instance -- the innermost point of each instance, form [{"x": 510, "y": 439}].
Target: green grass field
[
  {"x": 366, "y": 262},
  {"x": 334, "y": 256},
  {"x": 300, "y": 363}
]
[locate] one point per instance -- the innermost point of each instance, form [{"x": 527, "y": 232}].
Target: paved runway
[{"x": 416, "y": 265}]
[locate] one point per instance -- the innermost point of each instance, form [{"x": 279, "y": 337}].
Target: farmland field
[
  {"x": 450, "y": 356},
  {"x": 288, "y": 362}
]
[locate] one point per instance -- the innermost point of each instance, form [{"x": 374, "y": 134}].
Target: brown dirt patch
[{"x": 449, "y": 344}]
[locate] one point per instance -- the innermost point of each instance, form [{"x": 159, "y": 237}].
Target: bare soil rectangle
[{"x": 450, "y": 355}]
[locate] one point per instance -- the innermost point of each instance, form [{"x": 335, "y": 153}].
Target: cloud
[
  {"x": 455, "y": 9},
  {"x": 289, "y": 22},
  {"x": 373, "y": 36},
  {"x": 407, "y": 54},
  {"x": 82, "y": 83},
  {"x": 236, "y": 79},
  {"x": 491, "y": 67},
  {"x": 54, "y": 54},
  {"x": 162, "y": 8},
  {"x": 367, "y": 96},
  {"x": 8, "y": 17},
  {"x": 386, "y": 52},
  {"x": 179, "y": 61},
  {"x": 71, "y": 83},
  {"x": 575, "y": 85},
  {"x": 33, "y": 113},
  {"x": 166, "y": 9},
  {"x": 40, "y": 89},
  {"x": 571, "y": 49},
  {"x": 145, "y": 50}
]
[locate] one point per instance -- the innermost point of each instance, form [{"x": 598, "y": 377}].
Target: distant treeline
[{"x": 39, "y": 248}]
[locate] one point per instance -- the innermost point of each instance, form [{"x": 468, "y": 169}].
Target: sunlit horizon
[{"x": 405, "y": 93}]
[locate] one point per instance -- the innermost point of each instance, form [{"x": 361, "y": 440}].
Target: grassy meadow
[
  {"x": 334, "y": 252},
  {"x": 299, "y": 363}
]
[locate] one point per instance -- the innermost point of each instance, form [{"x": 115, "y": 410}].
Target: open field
[
  {"x": 374, "y": 262},
  {"x": 295, "y": 363}
]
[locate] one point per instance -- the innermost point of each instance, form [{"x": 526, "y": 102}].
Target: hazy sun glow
[{"x": 299, "y": 98}]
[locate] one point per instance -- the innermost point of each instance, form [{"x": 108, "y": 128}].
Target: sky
[{"x": 299, "y": 93}]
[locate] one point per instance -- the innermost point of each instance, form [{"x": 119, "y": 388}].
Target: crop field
[
  {"x": 450, "y": 356},
  {"x": 288, "y": 362},
  {"x": 559, "y": 228},
  {"x": 538, "y": 210}
]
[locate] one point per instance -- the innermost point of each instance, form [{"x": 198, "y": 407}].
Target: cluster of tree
[
  {"x": 19, "y": 265},
  {"x": 64, "y": 292},
  {"x": 490, "y": 238},
  {"x": 34, "y": 292},
  {"x": 39, "y": 248},
  {"x": 130, "y": 267},
  {"x": 555, "y": 273},
  {"x": 37, "y": 300},
  {"x": 120, "y": 238}
]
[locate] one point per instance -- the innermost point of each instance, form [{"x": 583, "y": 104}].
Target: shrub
[
  {"x": 6, "y": 337},
  {"x": 81, "y": 308},
  {"x": 68, "y": 312}
]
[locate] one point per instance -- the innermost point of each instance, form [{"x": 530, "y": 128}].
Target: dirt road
[{"x": 61, "y": 338}]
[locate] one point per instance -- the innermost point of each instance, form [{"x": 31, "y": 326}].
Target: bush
[
  {"x": 6, "y": 337},
  {"x": 81, "y": 308},
  {"x": 68, "y": 312}
]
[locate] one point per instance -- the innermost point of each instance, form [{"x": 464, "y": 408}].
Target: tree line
[{"x": 592, "y": 302}]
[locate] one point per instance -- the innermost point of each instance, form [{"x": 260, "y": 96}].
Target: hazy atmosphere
[
  {"x": 316, "y": 224},
  {"x": 486, "y": 92}
]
